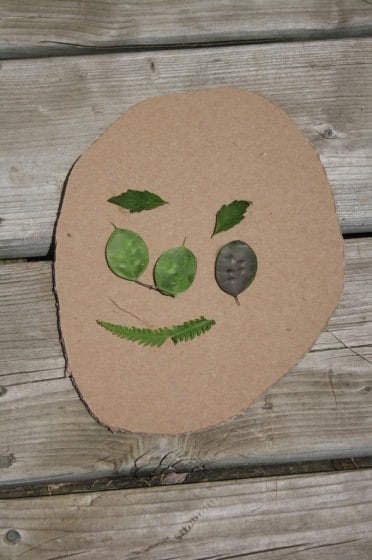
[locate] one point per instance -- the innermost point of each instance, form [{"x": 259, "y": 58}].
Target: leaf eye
[
  {"x": 235, "y": 268},
  {"x": 175, "y": 270},
  {"x": 126, "y": 254}
]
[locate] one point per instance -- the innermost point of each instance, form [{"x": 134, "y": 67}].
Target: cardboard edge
[{"x": 68, "y": 371}]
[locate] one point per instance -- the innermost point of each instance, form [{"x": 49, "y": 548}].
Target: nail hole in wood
[{"x": 13, "y": 536}]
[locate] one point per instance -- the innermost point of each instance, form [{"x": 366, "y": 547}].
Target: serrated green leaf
[
  {"x": 137, "y": 201},
  {"x": 157, "y": 337},
  {"x": 229, "y": 215}
]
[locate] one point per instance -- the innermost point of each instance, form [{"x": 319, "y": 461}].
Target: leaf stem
[
  {"x": 153, "y": 287},
  {"x": 130, "y": 313}
]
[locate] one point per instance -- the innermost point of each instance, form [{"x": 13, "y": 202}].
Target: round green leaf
[
  {"x": 175, "y": 270},
  {"x": 236, "y": 267},
  {"x": 126, "y": 254}
]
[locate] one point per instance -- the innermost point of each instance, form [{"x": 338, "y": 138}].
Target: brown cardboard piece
[{"x": 198, "y": 151}]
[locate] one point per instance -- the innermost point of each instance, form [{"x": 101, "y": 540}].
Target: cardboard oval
[{"x": 197, "y": 151}]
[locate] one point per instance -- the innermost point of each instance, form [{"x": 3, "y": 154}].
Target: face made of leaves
[{"x": 174, "y": 272}]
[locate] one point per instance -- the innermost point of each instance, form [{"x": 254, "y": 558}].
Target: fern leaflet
[
  {"x": 157, "y": 337},
  {"x": 147, "y": 337},
  {"x": 191, "y": 329}
]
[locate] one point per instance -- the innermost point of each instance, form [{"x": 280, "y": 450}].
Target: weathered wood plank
[
  {"x": 51, "y": 110},
  {"x": 29, "y": 340},
  {"x": 303, "y": 517},
  {"x": 322, "y": 409},
  {"x": 65, "y": 27}
]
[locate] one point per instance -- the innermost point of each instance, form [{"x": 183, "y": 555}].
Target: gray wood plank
[
  {"x": 46, "y": 27},
  {"x": 321, "y": 410},
  {"x": 29, "y": 340},
  {"x": 52, "y": 109},
  {"x": 303, "y": 517}
]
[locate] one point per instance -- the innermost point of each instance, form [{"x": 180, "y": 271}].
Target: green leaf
[
  {"x": 157, "y": 337},
  {"x": 229, "y": 215},
  {"x": 175, "y": 270},
  {"x": 191, "y": 329},
  {"x": 126, "y": 254},
  {"x": 137, "y": 201},
  {"x": 147, "y": 337}
]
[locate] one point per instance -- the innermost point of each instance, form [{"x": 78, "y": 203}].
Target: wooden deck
[{"x": 292, "y": 475}]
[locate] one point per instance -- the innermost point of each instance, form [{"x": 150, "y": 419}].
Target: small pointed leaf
[
  {"x": 229, "y": 215},
  {"x": 137, "y": 201}
]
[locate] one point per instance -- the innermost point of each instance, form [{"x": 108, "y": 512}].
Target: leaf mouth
[{"x": 156, "y": 337}]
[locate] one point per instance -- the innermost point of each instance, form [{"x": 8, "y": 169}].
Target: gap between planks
[
  {"x": 88, "y": 26},
  {"x": 163, "y": 476}
]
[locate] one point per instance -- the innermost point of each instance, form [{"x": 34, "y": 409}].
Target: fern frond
[
  {"x": 191, "y": 329},
  {"x": 157, "y": 337},
  {"x": 146, "y": 337}
]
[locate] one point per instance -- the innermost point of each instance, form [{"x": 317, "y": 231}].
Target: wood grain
[
  {"x": 52, "y": 109},
  {"x": 29, "y": 342},
  {"x": 322, "y": 409},
  {"x": 48, "y": 28},
  {"x": 303, "y": 517}
]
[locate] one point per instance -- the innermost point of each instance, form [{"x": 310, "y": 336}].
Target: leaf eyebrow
[{"x": 229, "y": 215}]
